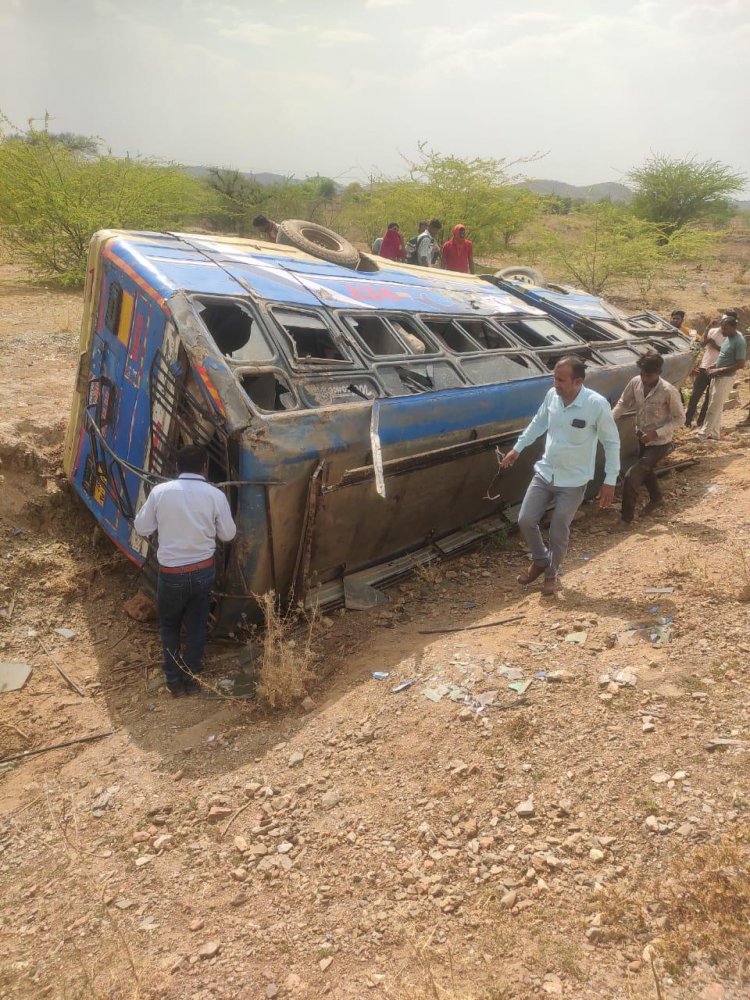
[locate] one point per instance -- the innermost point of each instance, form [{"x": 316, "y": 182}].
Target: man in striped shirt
[{"x": 659, "y": 413}]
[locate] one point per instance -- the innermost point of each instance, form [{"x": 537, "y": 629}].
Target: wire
[
  {"x": 153, "y": 479},
  {"x": 147, "y": 477},
  {"x": 500, "y": 455}
]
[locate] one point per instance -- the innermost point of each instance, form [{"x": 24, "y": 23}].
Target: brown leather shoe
[
  {"x": 549, "y": 587},
  {"x": 530, "y": 575}
]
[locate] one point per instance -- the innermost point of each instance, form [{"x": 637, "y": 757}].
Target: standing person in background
[
  {"x": 190, "y": 515},
  {"x": 712, "y": 340},
  {"x": 268, "y": 227},
  {"x": 411, "y": 245},
  {"x": 392, "y": 246},
  {"x": 658, "y": 415},
  {"x": 732, "y": 358},
  {"x": 575, "y": 419},
  {"x": 427, "y": 248},
  {"x": 458, "y": 252},
  {"x": 678, "y": 319}
]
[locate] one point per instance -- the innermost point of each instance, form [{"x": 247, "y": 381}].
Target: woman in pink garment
[{"x": 392, "y": 246}]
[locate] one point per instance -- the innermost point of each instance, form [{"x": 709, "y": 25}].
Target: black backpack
[{"x": 411, "y": 249}]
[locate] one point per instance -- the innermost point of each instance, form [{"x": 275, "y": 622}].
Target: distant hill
[
  {"x": 593, "y": 192},
  {"x": 262, "y": 178}
]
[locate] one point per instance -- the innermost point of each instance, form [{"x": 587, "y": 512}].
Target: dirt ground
[{"x": 583, "y": 836}]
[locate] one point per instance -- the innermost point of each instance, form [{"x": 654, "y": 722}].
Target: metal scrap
[
  {"x": 13, "y": 676},
  {"x": 68, "y": 680},
  {"x": 470, "y": 628},
  {"x": 56, "y": 746}
]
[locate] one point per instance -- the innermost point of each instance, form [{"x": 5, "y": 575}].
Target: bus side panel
[
  {"x": 88, "y": 325},
  {"x": 116, "y": 407}
]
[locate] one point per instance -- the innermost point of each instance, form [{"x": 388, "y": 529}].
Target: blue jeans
[
  {"x": 539, "y": 496},
  {"x": 184, "y": 599}
]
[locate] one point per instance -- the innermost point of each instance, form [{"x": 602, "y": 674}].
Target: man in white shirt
[
  {"x": 713, "y": 338},
  {"x": 575, "y": 419},
  {"x": 659, "y": 413},
  {"x": 427, "y": 249},
  {"x": 732, "y": 359},
  {"x": 189, "y": 515}
]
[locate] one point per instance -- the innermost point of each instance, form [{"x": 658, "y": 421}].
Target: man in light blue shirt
[{"x": 575, "y": 420}]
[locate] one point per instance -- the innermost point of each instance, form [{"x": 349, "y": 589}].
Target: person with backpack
[
  {"x": 411, "y": 243},
  {"x": 428, "y": 250}
]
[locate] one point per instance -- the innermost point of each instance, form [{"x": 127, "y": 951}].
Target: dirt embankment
[{"x": 554, "y": 807}]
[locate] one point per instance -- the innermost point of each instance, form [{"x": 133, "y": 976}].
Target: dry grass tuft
[
  {"x": 519, "y": 729},
  {"x": 743, "y": 594},
  {"x": 286, "y": 662},
  {"x": 710, "y": 903},
  {"x": 430, "y": 573},
  {"x": 430, "y": 974},
  {"x": 699, "y": 910}
]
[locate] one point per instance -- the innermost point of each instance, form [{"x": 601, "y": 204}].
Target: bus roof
[{"x": 221, "y": 265}]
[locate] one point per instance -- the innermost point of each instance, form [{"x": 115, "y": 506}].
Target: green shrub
[{"x": 55, "y": 194}]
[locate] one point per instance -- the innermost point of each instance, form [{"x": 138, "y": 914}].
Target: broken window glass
[
  {"x": 486, "y": 335},
  {"x": 235, "y": 331},
  {"x": 594, "y": 331},
  {"x": 310, "y": 337},
  {"x": 414, "y": 377},
  {"x": 541, "y": 332},
  {"x": 386, "y": 336},
  {"x": 410, "y": 331},
  {"x": 449, "y": 333},
  {"x": 375, "y": 335},
  {"x": 269, "y": 390},
  {"x": 619, "y": 355},
  {"x": 499, "y": 368},
  {"x": 550, "y": 358}
]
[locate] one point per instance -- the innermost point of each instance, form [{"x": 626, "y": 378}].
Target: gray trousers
[{"x": 566, "y": 500}]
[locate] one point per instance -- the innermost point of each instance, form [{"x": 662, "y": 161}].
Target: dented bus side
[{"x": 352, "y": 419}]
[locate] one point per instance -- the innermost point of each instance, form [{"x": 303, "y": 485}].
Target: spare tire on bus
[
  {"x": 526, "y": 275},
  {"x": 318, "y": 241}
]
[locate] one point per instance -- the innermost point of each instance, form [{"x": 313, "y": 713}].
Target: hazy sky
[{"x": 344, "y": 87}]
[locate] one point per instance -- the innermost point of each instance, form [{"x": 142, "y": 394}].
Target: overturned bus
[
  {"x": 591, "y": 317},
  {"x": 353, "y": 408}
]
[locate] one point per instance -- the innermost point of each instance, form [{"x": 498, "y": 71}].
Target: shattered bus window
[
  {"x": 376, "y": 335},
  {"x": 486, "y": 335},
  {"x": 409, "y": 331},
  {"x": 269, "y": 390},
  {"x": 235, "y": 331},
  {"x": 542, "y": 333},
  {"x": 450, "y": 333},
  {"x": 310, "y": 336},
  {"x": 386, "y": 336}
]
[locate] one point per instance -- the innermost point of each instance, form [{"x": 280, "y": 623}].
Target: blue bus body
[{"x": 352, "y": 416}]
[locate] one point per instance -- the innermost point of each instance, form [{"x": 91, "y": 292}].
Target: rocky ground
[{"x": 556, "y": 806}]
